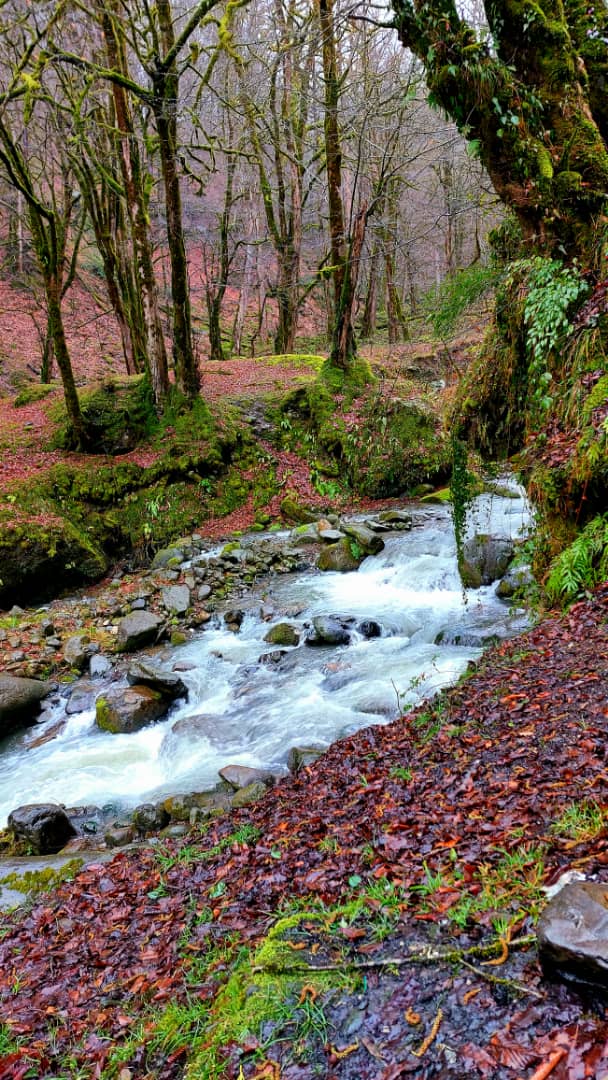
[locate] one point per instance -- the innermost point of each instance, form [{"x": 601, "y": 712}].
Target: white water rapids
[{"x": 253, "y": 713}]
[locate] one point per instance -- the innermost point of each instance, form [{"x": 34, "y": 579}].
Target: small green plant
[
  {"x": 401, "y": 772},
  {"x": 432, "y": 882},
  {"x": 580, "y": 821}
]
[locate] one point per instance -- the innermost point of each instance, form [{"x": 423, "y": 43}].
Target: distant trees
[{"x": 284, "y": 143}]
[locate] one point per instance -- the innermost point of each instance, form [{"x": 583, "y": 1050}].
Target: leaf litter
[{"x": 448, "y": 866}]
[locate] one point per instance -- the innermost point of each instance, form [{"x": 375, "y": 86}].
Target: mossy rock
[
  {"x": 282, "y": 634},
  {"x": 39, "y": 558},
  {"x": 296, "y": 511},
  {"x": 34, "y": 392}
]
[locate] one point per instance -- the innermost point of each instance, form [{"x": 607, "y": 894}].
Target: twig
[
  {"x": 547, "y": 1067},
  {"x": 512, "y": 984}
]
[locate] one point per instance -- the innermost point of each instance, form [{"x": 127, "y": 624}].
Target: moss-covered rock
[
  {"x": 282, "y": 634},
  {"x": 42, "y": 554},
  {"x": 342, "y": 557}
]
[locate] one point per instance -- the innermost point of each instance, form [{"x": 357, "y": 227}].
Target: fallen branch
[{"x": 428, "y": 956}]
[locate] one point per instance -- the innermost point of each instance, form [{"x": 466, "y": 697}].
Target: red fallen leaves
[{"x": 102, "y": 948}]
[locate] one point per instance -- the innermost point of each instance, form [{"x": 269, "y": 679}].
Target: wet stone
[{"x": 573, "y": 934}]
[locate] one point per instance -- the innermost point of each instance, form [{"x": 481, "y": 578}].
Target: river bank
[{"x": 304, "y": 935}]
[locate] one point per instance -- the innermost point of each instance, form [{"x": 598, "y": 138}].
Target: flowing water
[{"x": 242, "y": 711}]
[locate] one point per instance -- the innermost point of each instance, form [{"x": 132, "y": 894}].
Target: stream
[{"x": 246, "y": 712}]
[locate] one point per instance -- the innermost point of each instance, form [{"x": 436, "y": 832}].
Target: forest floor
[{"x": 369, "y": 919}]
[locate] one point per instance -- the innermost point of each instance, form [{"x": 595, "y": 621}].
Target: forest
[{"x": 303, "y": 539}]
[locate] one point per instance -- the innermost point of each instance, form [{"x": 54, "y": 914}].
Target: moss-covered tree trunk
[
  {"x": 533, "y": 104},
  {"x": 343, "y": 339},
  {"x": 165, "y": 107}
]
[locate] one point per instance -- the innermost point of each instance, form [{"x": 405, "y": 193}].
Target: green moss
[
  {"x": 34, "y": 882},
  {"x": 32, "y": 393},
  {"x": 545, "y": 165}
]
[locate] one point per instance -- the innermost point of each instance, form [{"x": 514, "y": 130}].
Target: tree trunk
[
  {"x": 52, "y": 289},
  {"x": 343, "y": 346},
  {"x": 532, "y": 107},
  {"x": 165, "y": 106},
  {"x": 368, "y": 321},
  {"x": 137, "y": 217}
]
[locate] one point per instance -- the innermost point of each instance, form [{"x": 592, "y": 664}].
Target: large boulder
[
  {"x": 42, "y": 554},
  {"x": 44, "y": 827},
  {"x": 166, "y": 683},
  {"x": 19, "y": 701},
  {"x": 485, "y": 559},
  {"x": 136, "y": 630},
  {"x": 342, "y": 556},
  {"x": 122, "y": 711},
  {"x": 330, "y": 630},
  {"x": 170, "y": 557},
  {"x": 573, "y": 933},
  {"x": 368, "y": 541}
]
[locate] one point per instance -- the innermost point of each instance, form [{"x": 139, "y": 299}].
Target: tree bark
[
  {"x": 165, "y": 107},
  {"x": 530, "y": 105}
]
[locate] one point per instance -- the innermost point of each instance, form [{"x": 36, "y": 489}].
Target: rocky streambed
[{"x": 257, "y": 655}]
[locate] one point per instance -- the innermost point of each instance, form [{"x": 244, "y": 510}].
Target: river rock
[
  {"x": 515, "y": 580},
  {"x": 300, "y": 757},
  {"x": 485, "y": 559},
  {"x": 329, "y": 630},
  {"x": 331, "y": 536},
  {"x": 19, "y": 701},
  {"x": 339, "y": 557},
  {"x": 119, "y": 835},
  {"x": 573, "y": 934},
  {"x": 147, "y": 818},
  {"x": 204, "y": 592},
  {"x": 180, "y": 807},
  {"x": 305, "y": 534},
  {"x": 369, "y": 542},
  {"x": 136, "y": 630},
  {"x": 81, "y": 698},
  {"x": 77, "y": 650},
  {"x": 127, "y": 709},
  {"x": 295, "y": 511},
  {"x": 397, "y": 519},
  {"x": 171, "y": 557},
  {"x": 45, "y": 827},
  {"x": 248, "y": 794},
  {"x": 282, "y": 634},
  {"x": 176, "y": 599},
  {"x": 241, "y": 776},
  {"x": 233, "y": 618},
  {"x": 369, "y": 628},
  {"x": 99, "y": 665},
  {"x": 166, "y": 683}
]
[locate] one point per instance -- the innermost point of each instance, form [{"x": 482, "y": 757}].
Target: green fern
[{"x": 582, "y": 565}]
